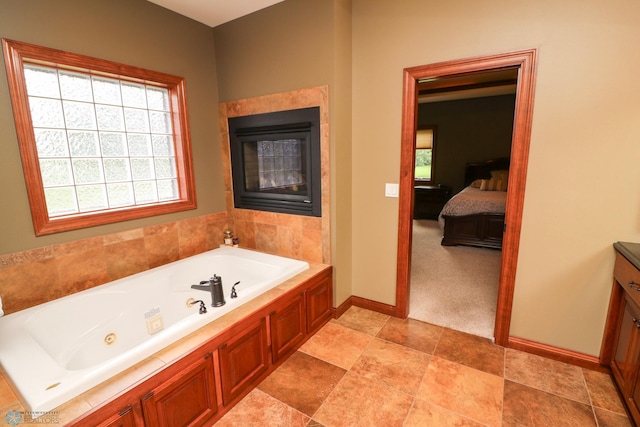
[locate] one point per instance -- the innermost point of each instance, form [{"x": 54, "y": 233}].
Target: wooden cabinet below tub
[
  {"x": 129, "y": 416},
  {"x": 186, "y": 398},
  {"x": 319, "y": 301},
  {"x": 183, "y": 394},
  {"x": 288, "y": 326},
  {"x": 621, "y": 345},
  {"x": 301, "y": 315},
  {"x": 198, "y": 388},
  {"x": 243, "y": 359}
]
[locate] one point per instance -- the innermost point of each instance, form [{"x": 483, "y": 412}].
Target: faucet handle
[
  {"x": 203, "y": 308},
  {"x": 234, "y": 294}
]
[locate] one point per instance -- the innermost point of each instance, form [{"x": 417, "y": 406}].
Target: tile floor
[{"x": 369, "y": 369}]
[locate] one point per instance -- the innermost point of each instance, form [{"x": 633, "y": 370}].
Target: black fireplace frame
[{"x": 303, "y": 123}]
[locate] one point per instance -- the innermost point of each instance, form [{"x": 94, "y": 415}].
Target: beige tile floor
[{"x": 369, "y": 369}]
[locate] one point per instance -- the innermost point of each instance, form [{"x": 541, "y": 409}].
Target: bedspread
[{"x": 473, "y": 200}]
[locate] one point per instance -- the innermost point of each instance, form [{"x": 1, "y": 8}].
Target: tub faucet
[{"x": 213, "y": 285}]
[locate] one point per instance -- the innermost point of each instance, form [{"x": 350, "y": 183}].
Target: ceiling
[
  {"x": 469, "y": 85},
  {"x": 214, "y": 12}
]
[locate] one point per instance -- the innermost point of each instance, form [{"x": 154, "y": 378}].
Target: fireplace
[{"x": 275, "y": 161}]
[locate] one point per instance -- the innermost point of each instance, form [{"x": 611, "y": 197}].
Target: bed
[{"x": 475, "y": 215}]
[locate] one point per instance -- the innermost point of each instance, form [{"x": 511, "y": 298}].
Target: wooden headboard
[{"x": 482, "y": 170}]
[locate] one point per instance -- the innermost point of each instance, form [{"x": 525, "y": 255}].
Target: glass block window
[
  {"x": 98, "y": 138},
  {"x": 102, "y": 143}
]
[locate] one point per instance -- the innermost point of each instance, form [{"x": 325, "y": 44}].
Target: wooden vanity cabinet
[
  {"x": 621, "y": 347},
  {"x": 625, "y": 360}
]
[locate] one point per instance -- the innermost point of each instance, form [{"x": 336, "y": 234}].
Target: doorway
[{"x": 524, "y": 62}]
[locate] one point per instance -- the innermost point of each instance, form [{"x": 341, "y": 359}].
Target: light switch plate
[{"x": 391, "y": 190}]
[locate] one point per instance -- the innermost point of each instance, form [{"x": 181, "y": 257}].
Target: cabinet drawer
[{"x": 628, "y": 276}]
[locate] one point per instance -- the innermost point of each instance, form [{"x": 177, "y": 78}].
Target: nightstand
[{"x": 429, "y": 200}]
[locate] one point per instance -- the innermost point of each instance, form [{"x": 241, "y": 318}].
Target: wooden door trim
[{"x": 525, "y": 61}]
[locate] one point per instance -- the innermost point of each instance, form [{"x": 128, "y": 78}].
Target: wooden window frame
[{"x": 16, "y": 54}]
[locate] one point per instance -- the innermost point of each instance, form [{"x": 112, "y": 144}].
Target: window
[
  {"x": 101, "y": 142},
  {"x": 425, "y": 138}
]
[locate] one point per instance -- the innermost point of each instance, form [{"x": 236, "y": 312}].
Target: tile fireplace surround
[{"x": 309, "y": 237}]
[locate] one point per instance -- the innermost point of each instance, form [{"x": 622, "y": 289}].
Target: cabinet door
[
  {"x": 319, "y": 304},
  {"x": 625, "y": 357},
  {"x": 131, "y": 416},
  {"x": 188, "y": 398},
  {"x": 243, "y": 360},
  {"x": 633, "y": 402},
  {"x": 288, "y": 327}
]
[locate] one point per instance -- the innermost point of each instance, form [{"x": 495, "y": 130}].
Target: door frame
[{"x": 525, "y": 61}]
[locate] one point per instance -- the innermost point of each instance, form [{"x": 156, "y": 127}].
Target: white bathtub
[{"x": 55, "y": 351}]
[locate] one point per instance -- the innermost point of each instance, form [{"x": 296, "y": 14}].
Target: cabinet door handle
[
  {"x": 633, "y": 285},
  {"x": 125, "y": 410}
]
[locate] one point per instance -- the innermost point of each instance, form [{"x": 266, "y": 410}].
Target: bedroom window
[
  {"x": 425, "y": 144},
  {"x": 100, "y": 142}
]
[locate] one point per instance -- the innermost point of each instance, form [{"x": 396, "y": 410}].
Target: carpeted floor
[{"x": 453, "y": 286}]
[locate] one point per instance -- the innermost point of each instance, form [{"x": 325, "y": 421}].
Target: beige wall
[
  {"x": 582, "y": 185},
  {"x": 341, "y": 151},
  {"x": 134, "y": 32}
]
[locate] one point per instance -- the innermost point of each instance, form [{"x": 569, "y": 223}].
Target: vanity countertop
[{"x": 630, "y": 251}]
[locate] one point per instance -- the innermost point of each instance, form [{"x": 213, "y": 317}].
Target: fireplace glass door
[
  {"x": 276, "y": 165},
  {"x": 275, "y": 161}
]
